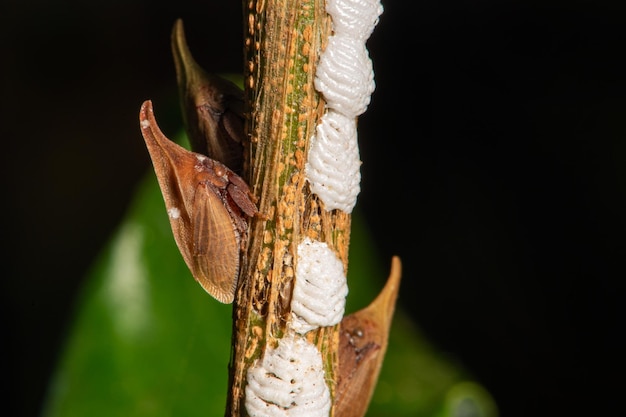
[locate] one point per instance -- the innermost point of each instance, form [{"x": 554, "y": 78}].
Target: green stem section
[{"x": 283, "y": 41}]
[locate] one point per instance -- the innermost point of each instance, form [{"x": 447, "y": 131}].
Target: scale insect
[{"x": 208, "y": 206}]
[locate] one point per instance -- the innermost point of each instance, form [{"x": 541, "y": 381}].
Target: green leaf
[{"x": 148, "y": 341}]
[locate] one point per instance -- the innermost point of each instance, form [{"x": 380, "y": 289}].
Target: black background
[{"x": 494, "y": 156}]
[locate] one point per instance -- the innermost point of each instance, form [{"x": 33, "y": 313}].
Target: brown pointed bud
[
  {"x": 208, "y": 207},
  {"x": 213, "y": 107},
  {"x": 362, "y": 345}
]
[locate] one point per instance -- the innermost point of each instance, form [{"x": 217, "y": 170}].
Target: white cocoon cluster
[
  {"x": 288, "y": 381},
  {"x": 345, "y": 77},
  {"x": 320, "y": 289},
  {"x": 333, "y": 165}
]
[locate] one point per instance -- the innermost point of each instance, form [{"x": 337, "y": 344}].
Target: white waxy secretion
[
  {"x": 344, "y": 75},
  {"x": 288, "y": 381},
  {"x": 173, "y": 213},
  {"x": 345, "y": 78},
  {"x": 333, "y": 165},
  {"x": 201, "y": 159},
  {"x": 320, "y": 289},
  {"x": 354, "y": 18}
]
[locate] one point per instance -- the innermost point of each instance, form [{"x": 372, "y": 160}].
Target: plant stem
[{"x": 283, "y": 41}]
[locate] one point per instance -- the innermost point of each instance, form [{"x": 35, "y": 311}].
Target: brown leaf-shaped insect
[
  {"x": 207, "y": 204},
  {"x": 362, "y": 346},
  {"x": 213, "y": 107}
]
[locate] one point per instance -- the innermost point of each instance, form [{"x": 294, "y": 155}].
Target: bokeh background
[{"x": 494, "y": 156}]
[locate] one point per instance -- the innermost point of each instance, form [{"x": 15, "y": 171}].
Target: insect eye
[{"x": 219, "y": 170}]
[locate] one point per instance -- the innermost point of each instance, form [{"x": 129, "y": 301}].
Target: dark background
[{"x": 494, "y": 157}]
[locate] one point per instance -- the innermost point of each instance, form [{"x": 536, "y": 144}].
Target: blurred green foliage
[{"x": 148, "y": 341}]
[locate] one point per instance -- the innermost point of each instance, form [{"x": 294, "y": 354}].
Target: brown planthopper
[
  {"x": 208, "y": 205},
  {"x": 213, "y": 107}
]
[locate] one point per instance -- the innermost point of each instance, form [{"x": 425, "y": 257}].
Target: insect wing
[
  {"x": 215, "y": 257},
  {"x": 202, "y": 225}
]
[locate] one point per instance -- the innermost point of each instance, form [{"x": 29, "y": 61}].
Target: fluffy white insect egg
[
  {"x": 288, "y": 381},
  {"x": 333, "y": 163},
  {"x": 354, "y": 18},
  {"x": 320, "y": 289}
]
